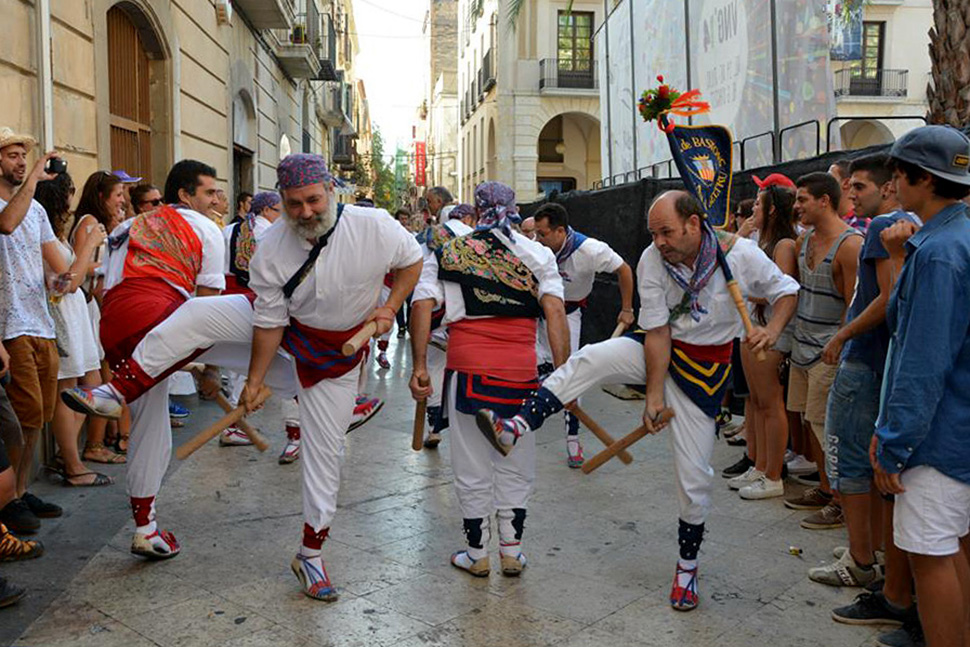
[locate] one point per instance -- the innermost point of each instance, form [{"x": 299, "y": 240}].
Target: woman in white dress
[
  {"x": 75, "y": 339},
  {"x": 102, "y": 204}
]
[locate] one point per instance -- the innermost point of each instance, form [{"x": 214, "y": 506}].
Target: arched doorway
[
  {"x": 861, "y": 133},
  {"x": 138, "y": 102},
  {"x": 569, "y": 153}
]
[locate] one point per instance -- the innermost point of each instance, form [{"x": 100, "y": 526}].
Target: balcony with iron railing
[
  {"x": 486, "y": 75},
  {"x": 298, "y": 48},
  {"x": 568, "y": 75},
  {"x": 326, "y": 46},
  {"x": 345, "y": 152},
  {"x": 853, "y": 83}
]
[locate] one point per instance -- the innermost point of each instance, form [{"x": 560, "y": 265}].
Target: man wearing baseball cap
[{"x": 921, "y": 449}]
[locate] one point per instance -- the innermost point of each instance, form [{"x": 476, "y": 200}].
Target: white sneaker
[
  {"x": 234, "y": 437},
  {"x": 789, "y": 456},
  {"x": 747, "y": 478},
  {"x": 763, "y": 488},
  {"x": 800, "y": 465}
]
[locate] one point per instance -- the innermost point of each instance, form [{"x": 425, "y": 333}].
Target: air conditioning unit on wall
[{"x": 223, "y": 12}]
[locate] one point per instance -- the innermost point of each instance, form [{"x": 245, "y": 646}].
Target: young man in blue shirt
[{"x": 921, "y": 448}]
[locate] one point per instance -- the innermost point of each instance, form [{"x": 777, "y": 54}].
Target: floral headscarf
[{"x": 496, "y": 207}]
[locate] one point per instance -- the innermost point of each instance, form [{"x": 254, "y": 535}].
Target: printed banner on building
[
  {"x": 845, "y": 29},
  {"x": 703, "y": 158},
  {"x": 420, "y": 163}
]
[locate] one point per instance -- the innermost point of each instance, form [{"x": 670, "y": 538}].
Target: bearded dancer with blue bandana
[
  {"x": 579, "y": 259},
  {"x": 682, "y": 352}
]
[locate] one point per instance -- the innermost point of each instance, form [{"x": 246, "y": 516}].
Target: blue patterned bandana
[
  {"x": 496, "y": 207},
  {"x": 460, "y": 211},
  {"x": 264, "y": 200},
  {"x": 302, "y": 169}
]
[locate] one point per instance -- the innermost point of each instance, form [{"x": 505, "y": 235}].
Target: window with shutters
[{"x": 129, "y": 101}]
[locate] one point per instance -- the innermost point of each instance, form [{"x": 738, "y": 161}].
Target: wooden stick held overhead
[
  {"x": 355, "y": 343},
  {"x": 188, "y": 448},
  {"x": 420, "y": 409},
  {"x": 600, "y": 433},
  {"x": 596, "y": 461}
]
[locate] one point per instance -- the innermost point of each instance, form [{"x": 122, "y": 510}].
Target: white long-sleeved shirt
[
  {"x": 345, "y": 283},
  {"x": 756, "y": 274}
]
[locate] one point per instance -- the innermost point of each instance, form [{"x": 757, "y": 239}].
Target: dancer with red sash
[
  {"x": 493, "y": 284},
  {"x": 317, "y": 276},
  {"x": 156, "y": 262},
  {"x": 682, "y": 353}
]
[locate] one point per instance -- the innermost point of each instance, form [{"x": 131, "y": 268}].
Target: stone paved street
[{"x": 601, "y": 552}]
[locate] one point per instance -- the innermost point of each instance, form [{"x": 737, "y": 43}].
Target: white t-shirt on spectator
[{"x": 23, "y": 287}]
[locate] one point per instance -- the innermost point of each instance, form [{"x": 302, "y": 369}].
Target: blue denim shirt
[{"x": 926, "y": 415}]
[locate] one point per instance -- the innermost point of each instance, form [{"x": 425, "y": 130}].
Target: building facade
[
  {"x": 529, "y": 107},
  {"x": 876, "y": 93},
  {"x": 140, "y": 84},
  {"x": 440, "y": 109}
]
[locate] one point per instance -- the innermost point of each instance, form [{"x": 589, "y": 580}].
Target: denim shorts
[{"x": 850, "y": 422}]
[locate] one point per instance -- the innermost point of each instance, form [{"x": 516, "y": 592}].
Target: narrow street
[{"x": 601, "y": 551}]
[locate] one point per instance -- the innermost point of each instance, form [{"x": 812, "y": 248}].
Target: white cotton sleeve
[
  {"x": 429, "y": 287},
  {"x": 46, "y": 231},
  {"x": 605, "y": 260},
  {"x": 758, "y": 275},
  {"x": 547, "y": 274},
  {"x": 650, "y": 284},
  {"x": 213, "y": 259},
  {"x": 407, "y": 251},
  {"x": 270, "y": 308}
]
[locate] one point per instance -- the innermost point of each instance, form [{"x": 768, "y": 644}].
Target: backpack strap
[{"x": 311, "y": 260}]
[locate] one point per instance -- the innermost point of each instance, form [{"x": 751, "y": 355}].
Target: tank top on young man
[{"x": 820, "y": 305}]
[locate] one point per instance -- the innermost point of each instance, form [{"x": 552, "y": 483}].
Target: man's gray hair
[{"x": 442, "y": 194}]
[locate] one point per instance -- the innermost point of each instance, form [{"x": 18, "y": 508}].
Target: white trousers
[
  {"x": 150, "y": 446},
  {"x": 385, "y": 295},
  {"x": 436, "y": 373},
  {"x": 224, "y": 325},
  {"x": 486, "y": 481},
  {"x": 325, "y": 409},
  {"x": 544, "y": 348},
  {"x": 691, "y": 431}
]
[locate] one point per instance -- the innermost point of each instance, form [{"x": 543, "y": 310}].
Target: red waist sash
[
  {"x": 501, "y": 347},
  {"x": 233, "y": 286},
  {"x": 318, "y": 353},
  {"x": 130, "y": 311},
  {"x": 720, "y": 353}
]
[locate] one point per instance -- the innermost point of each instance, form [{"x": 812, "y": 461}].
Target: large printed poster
[{"x": 730, "y": 59}]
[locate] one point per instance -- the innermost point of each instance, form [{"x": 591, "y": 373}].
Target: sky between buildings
[{"x": 393, "y": 62}]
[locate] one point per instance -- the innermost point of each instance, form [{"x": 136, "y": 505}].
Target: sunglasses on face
[{"x": 155, "y": 203}]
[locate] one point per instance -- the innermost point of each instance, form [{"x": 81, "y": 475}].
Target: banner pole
[{"x": 773, "y": 20}]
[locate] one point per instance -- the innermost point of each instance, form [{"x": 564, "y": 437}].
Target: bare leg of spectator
[
  {"x": 898, "y": 587},
  {"x": 858, "y": 511},
  {"x": 941, "y": 586},
  {"x": 767, "y": 396}
]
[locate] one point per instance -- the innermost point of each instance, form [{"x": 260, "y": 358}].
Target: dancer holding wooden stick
[
  {"x": 317, "y": 275},
  {"x": 682, "y": 353}
]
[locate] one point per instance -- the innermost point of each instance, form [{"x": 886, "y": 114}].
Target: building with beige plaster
[
  {"x": 140, "y": 84},
  {"x": 529, "y": 107}
]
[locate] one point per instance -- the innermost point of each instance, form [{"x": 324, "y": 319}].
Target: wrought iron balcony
[
  {"x": 345, "y": 151},
  {"x": 486, "y": 75},
  {"x": 297, "y": 48},
  {"x": 872, "y": 83},
  {"x": 567, "y": 74}
]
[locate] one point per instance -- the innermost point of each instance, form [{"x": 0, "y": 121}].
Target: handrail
[{"x": 781, "y": 137}]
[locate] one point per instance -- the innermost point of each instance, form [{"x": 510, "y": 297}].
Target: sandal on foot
[
  {"x": 684, "y": 598},
  {"x": 98, "y": 453},
  {"x": 99, "y": 479},
  {"x": 476, "y": 567},
  {"x": 121, "y": 446}
]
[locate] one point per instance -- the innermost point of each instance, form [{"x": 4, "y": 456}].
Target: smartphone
[{"x": 56, "y": 166}]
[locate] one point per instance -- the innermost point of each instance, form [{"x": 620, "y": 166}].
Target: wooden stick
[
  {"x": 255, "y": 437},
  {"x": 619, "y": 330},
  {"x": 417, "y": 436},
  {"x": 596, "y": 461},
  {"x": 600, "y": 433},
  {"x": 188, "y": 448},
  {"x": 735, "y": 291},
  {"x": 354, "y": 344}
]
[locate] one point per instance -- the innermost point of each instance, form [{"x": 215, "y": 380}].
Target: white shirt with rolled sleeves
[
  {"x": 210, "y": 275},
  {"x": 538, "y": 258},
  {"x": 261, "y": 227},
  {"x": 345, "y": 284},
  {"x": 579, "y": 270},
  {"x": 756, "y": 274}
]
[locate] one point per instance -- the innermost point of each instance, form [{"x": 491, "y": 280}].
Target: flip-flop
[
  {"x": 114, "y": 459},
  {"x": 99, "y": 479}
]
